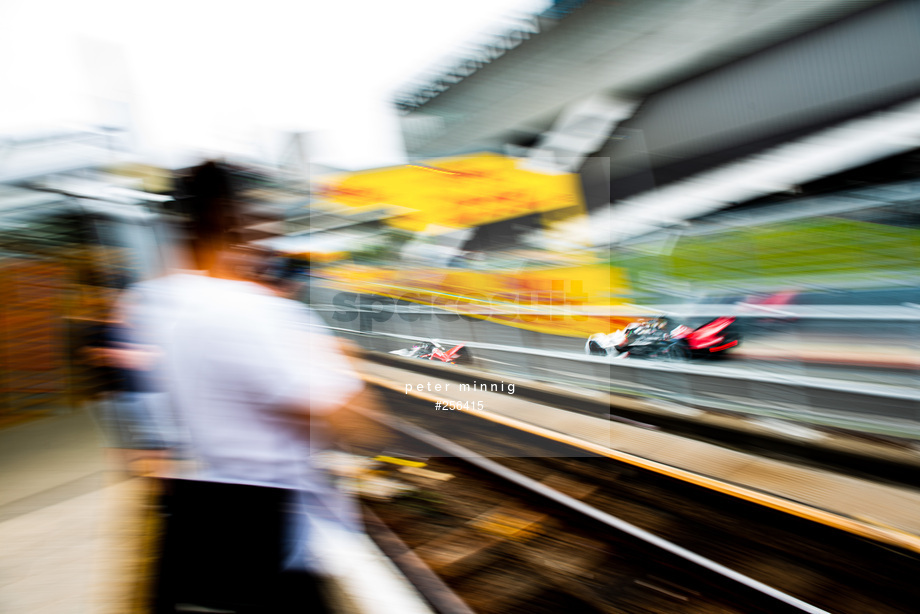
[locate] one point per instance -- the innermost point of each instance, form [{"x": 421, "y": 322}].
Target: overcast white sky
[{"x": 221, "y": 75}]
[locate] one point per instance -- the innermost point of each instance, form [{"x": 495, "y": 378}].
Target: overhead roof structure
[
  {"x": 513, "y": 89},
  {"x": 24, "y": 158},
  {"x": 675, "y": 110}
]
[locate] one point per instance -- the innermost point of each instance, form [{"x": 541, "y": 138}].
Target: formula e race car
[
  {"x": 661, "y": 338},
  {"x": 433, "y": 350}
]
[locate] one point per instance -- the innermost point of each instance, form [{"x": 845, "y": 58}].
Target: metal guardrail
[
  {"x": 773, "y": 391},
  {"x": 905, "y": 312},
  {"x": 869, "y": 408}
]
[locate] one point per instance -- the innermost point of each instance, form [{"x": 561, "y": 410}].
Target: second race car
[{"x": 433, "y": 350}]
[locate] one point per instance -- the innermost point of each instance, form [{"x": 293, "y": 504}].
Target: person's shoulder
[
  {"x": 164, "y": 286},
  {"x": 232, "y": 297},
  {"x": 289, "y": 309}
]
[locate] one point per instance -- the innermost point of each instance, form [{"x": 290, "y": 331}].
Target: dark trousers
[{"x": 223, "y": 547}]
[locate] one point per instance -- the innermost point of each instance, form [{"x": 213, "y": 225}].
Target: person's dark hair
[{"x": 213, "y": 207}]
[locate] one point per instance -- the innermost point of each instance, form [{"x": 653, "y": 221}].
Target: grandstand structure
[{"x": 672, "y": 111}]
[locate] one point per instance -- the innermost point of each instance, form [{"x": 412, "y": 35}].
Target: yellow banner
[
  {"x": 451, "y": 193},
  {"x": 560, "y": 300}
]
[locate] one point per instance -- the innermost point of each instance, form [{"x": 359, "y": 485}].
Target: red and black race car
[{"x": 662, "y": 338}]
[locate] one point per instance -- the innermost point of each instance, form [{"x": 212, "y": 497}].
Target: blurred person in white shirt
[{"x": 254, "y": 385}]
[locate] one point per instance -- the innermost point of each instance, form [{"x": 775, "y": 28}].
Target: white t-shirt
[{"x": 238, "y": 362}]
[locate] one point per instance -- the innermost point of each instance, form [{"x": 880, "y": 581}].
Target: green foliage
[
  {"x": 382, "y": 249},
  {"x": 818, "y": 248}
]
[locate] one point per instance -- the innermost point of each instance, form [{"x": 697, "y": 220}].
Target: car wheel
[
  {"x": 679, "y": 350},
  {"x": 593, "y": 348}
]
